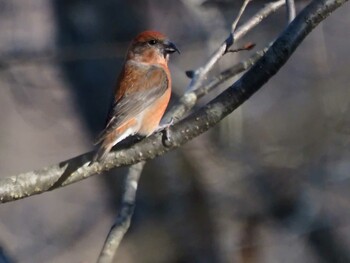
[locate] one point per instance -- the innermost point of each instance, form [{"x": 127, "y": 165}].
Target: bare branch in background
[
  {"x": 73, "y": 170},
  {"x": 199, "y": 74},
  {"x": 227, "y": 74},
  {"x": 290, "y": 10},
  {"x": 189, "y": 99},
  {"x": 246, "y": 47},
  {"x": 123, "y": 220},
  {"x": 240, "y": 13}
]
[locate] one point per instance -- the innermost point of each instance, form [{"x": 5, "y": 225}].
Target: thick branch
[{"x": 73, "y": 170}]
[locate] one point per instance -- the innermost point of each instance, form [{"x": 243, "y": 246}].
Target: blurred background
[{"x": 269, "y": 184}]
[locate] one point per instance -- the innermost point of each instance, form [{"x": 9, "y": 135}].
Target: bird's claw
[{"x": 166, "y": 132}]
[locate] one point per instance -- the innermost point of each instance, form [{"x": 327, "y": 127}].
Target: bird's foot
[{"x": 165, "y": 125}]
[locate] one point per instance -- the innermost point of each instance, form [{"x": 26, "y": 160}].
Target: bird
[{"x": 142, "y": 92}]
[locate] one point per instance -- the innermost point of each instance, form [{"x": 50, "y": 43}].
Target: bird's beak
[{"x": 170, "y": 47}]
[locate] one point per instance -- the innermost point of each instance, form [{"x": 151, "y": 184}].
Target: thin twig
[
  {"x": 200, "y": 74},
  {"x": 189, "y": 99},
  {"x": 246, "y": 47},
  {"x": 122, "y": 223},
  {"x": 290, "y": 5},
  {"x": 75, "y": 169},
  {"x": 240, "y": 13},
  {"x": 267, "y": 10},
  {"x": 229, "y": 73}
]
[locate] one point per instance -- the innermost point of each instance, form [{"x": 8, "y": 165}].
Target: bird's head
[{"x": 151, "y": 47}]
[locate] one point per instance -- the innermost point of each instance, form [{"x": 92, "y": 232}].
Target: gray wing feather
[{"x": 130, "y": 105}]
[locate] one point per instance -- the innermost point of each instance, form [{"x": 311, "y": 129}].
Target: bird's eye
[{"x": 152, "y": 42}]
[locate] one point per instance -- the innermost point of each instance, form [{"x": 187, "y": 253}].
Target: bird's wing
[{"x": 143, "y": 89}]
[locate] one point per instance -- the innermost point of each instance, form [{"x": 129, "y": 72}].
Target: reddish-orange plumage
[{"x": 142, "y": 92}]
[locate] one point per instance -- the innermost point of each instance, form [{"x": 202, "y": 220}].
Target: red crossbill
[{"x": 142, "y": 92}]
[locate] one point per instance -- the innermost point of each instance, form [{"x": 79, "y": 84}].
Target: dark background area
[{"x": 269, "y": 184}]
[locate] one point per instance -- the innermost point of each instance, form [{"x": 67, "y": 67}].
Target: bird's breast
[{"x": 154, "y": 113}]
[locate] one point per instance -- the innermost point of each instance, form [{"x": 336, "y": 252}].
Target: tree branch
[
  {"x": 290, "y": 10},
  {"x": 240, "y": 13},
  {"x": 189, "y": 99},
  {"x": 122, "y": 222},
  {"x": 73, "y": 170},
  {"x": 199, "y": 75},
  {"x": 229, "y": 73}
]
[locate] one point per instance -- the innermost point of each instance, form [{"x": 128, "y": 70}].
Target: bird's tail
[
  {"x": 108, "y": 140},
  {"x": 107, "y": 144},
  {"x": 101, "y": 153}
]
